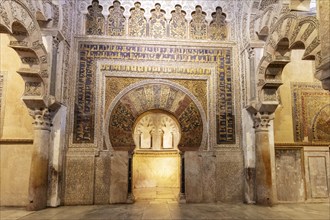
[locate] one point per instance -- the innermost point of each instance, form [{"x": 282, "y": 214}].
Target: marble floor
[
  {"x": 170, "y": 210},
  {"x": 156, "y": 194}
]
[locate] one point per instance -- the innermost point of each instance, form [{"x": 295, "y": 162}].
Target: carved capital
[
  {"x": 56, "y": 42},
  {"x": 261, "y": 120},
  {"x": 42, "y": 119},
  {"x": 251, "y": 53}
]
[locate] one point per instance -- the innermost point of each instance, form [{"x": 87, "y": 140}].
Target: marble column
[
  {"x": 38, "y": 182},
  {"x": 264, "y": 183},
  {"x": 182, "y": 194}
]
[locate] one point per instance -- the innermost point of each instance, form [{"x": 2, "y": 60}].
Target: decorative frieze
[
  {"x": 116, "y": 20},
  {"x": 218, "y": 27},
  {"x": 137, "y": 22},
  {"x": 95, "y": 19},
  {"x": 157, "y": 22},
  {"x": 198, "y": 25},
  {"x": 178, "y": 23}
]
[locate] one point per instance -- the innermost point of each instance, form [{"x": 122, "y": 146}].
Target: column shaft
[{"x": 38, "y": 181}]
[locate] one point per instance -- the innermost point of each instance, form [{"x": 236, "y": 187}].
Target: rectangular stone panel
[
  {"x": 318, "y": 177},
  {"x": 156, "y": 170},
  {"x": 229, "y": 176},
  {"x": 208, "y": 176},
  {"x": 102, "y": 178},
  {"x": 317, "y": 169},
  {"x": 79, "y": 180},
  {"x": 193, "y": 176},
  {"x": 289, "y": 175},
  {"x": 119, "y": 177}
]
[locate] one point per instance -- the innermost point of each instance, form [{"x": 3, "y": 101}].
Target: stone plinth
[{"x": 156, "y": 169}]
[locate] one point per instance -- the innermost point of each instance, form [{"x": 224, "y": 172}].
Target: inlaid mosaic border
[
  {"x": 307, "y": 100},
  {"x": 90, "y": 52}
]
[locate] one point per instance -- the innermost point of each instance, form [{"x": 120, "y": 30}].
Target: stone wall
[
  {"x": 16, "y": 133},
  {"x": 302, "y": 173}
]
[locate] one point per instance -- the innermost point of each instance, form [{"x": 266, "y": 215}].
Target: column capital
[
  {"x": 251, "y": 52},
  {"x": 56, "y": 42},
  {"x": 42, "y": 118},
  {"x": 261, "y": 120}
]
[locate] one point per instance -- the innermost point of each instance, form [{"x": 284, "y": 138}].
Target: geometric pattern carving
[
  {"x": 89, "y": 53},
  {"x": 310, "y": 112},
  {"x": 265, "y": 3},
  {"x": 198, "y": 25},
  {"x": 95, "y": 19},
  {"x": 116, "y": 20},
  {"x": 137, "y": 22},
  {"x": 178, "y": 23},
  {"x": 33, "y": 89},
  {"x": 218, "y": 27},
  {"x": 157, "y": 22}
]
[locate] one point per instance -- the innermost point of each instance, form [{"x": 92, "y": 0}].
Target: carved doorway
[{"x": 156, "y": 160}]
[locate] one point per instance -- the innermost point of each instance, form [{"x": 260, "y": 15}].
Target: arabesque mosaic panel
[
  {"x": 311, "y": 105},
  {"x": 90, "y": 53}
]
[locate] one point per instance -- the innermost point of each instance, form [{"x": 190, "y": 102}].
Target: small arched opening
[{"x": 156, "y": 159}]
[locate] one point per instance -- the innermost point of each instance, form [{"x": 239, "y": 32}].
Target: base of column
[{"x": 38, "y": 202}]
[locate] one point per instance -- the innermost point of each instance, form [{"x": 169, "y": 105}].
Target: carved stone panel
[
  {"x": 116, "y": 20},
  {"x": 33, "y": 89},
  {"x": 157, "y": 22},
  {"x": 289, "y": 175},
  {"x": 178, "y": 23},
  {"x": 318, "y": 177},
  {"x": 137, "y": 22},
  {"x": 311, "y": 111},
  {"x": 95, "y": 19},
  {"x": 198, "y": 25},
  {"x": 218, "y": 26},
  {"x": 79, "y": 180},
  {"x": 317, "y": 170}
]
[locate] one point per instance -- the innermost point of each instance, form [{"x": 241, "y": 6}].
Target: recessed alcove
[{"x": 156, "y": 158}]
